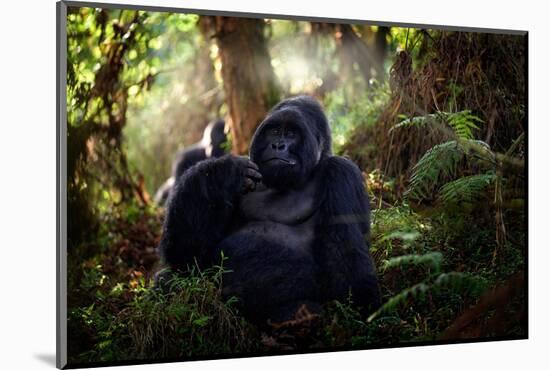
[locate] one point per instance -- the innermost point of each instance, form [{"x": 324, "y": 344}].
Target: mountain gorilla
[
  {"x": 211, "y": 145},
  {"x": 292, "y": 220}
]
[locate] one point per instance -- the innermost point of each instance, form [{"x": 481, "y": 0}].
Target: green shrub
[{"x": 190, "y": 321}]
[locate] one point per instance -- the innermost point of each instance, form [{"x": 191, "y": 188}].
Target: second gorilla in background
[{"x": 210, "y": 146}]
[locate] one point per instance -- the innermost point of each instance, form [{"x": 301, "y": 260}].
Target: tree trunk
[
  {"x": 381, "y": 47},
  {"x": 249, "y": 82}
]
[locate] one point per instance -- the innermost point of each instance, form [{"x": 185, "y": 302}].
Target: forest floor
[{"x": 443, "y": 279}]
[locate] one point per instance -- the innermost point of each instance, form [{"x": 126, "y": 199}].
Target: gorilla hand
[
  {"x": 251, "y": 174},
  {"x": 202, "y": 208}
]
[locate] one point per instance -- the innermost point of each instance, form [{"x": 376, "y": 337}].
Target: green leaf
[
  {"x": 432, "y": 259},
  {"x": 203, "y": 321},
  {"x": 466, "y": 189}
]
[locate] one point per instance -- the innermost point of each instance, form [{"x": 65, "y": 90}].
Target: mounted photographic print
[{"x": 236, "y": 185}]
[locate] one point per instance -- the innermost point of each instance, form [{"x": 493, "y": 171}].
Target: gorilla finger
[
  {"x": 246, "y": 163},
  {"x": 249, "y": 185},
  {"x": 252, "y": 165},
  {"x": 253, "y": 174}
]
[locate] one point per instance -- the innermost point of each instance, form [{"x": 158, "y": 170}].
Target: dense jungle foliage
[{"x": 436, "y": 121}]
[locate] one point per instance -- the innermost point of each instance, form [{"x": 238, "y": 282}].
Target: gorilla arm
[
  {"x": 202, "y": 209},
  {"x": 341, "y": 247}
]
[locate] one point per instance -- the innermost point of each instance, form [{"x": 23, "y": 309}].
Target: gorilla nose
[{"x": 279, "y": 146}]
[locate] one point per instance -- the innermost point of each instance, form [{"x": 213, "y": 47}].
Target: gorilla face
[
  {"x": 289, "y": 143},
  {"x": 282, "y": 141},
  {"x": 214, "y": 137}
]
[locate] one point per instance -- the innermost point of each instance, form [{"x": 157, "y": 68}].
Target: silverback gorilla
[
  {"x": 211, "y": 145},
  {"x": 292, "y": 221}
]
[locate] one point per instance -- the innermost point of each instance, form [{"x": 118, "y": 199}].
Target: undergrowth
[
  {"x": 136, "y": 321},
  {"x": 428, "y": 277}
]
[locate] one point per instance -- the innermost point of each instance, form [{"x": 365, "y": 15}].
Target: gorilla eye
[
  {"x": 274, "y": 131},
  {"x": 291, "y": 133}
]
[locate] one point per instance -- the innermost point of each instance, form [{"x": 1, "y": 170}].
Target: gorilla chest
[{"x": 286, "y": 219}]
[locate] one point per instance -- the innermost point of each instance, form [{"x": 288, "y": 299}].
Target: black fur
[
  {"x": 211, "y": 145},
  {"x": 299, "y": 238}
]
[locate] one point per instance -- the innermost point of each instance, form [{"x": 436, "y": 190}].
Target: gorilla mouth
[{"x": 279, "y": 159}]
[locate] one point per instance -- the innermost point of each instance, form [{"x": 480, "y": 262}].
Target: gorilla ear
[{"x": 320, "y": 151}]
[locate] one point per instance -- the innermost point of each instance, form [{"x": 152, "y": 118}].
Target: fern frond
[
  {"x": 458, "y": 282},
  {"x": 463, "y": 123},
  {"x": 432, "y": 259},
  {"x": 417, "y": 291},
  {"x": 465, "y": 189},
  {"x": 420, "y": 121},
  {"x": 461, "y": 282},
  {"x": 440, "y": 164}
]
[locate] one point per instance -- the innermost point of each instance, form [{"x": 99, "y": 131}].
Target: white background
[{"x": 27, "y": 182}]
